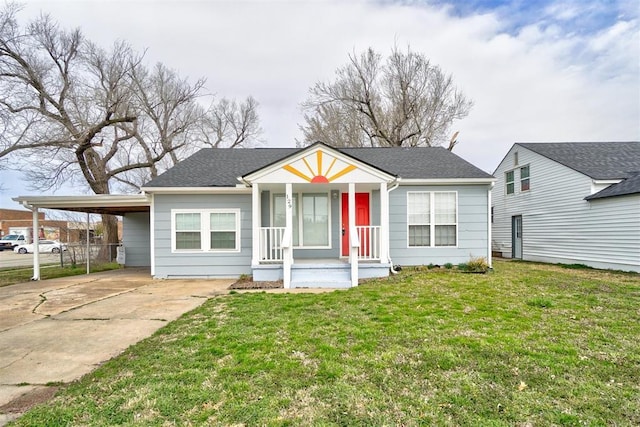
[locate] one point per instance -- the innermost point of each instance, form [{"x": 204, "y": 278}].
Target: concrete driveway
[{"x": 55, "y": 331}]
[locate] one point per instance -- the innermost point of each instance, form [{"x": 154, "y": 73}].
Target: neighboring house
[
  {"x": 315, "y": 216},
  {"x": 569, "y": 203}
]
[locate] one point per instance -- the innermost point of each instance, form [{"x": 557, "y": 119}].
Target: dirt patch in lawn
[
  {"x": 250, "y": 284},
  {"x": 28, "y": 400}
]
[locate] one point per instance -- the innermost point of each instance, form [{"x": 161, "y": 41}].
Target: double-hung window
[
  {"x": 509, "y": 179},
  {"x": 524, "y": 178},
  {"x": 310, "y": 218},
  {"x": 206, "y": 230},
  {"x": 445, "y": 219},
  {"x": 188, "y": 233},
  {"x": 419, "y": 218},
  {"x": 223, "y": 230},
  {"x": 432, "y": 218}
]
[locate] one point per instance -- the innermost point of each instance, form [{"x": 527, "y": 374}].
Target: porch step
[{"x": 320, "y": 276}]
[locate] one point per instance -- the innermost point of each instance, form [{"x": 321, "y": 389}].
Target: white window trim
[
  {"x": 522, "y": 179},
  {"x": 205, "y": 231},
  {"x": 299, "y": 196},
  {"x": 432, "y": 219},
  {"x": 506, "y": 183}
]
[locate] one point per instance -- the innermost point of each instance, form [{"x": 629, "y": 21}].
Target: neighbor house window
[
  {"x": 432, "y": 218},
  {"x": 211, "y": 230},
  {"x": 524, "y": 178},
  {"x": 509, "y": 179},
  {"x": 310, "y": 218}
]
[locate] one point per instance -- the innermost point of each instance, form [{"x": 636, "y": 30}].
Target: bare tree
[
  {"x": 403, "y": 101},
  {"x": 77, "y": 113},
  {"x": 230, "y": 124}
]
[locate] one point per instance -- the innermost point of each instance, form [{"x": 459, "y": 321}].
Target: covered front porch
[{"x": 311, "y": 228}]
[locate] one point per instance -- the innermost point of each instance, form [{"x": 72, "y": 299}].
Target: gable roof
[
  {"x": 221, "y": 167},
  {"x": 597, "y": 160},
  {"x": 316, "y": 147}
]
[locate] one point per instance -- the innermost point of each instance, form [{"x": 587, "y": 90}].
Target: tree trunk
[{"x": 110, "y": 237}]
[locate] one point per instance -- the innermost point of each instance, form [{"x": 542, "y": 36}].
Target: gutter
[{"x": 395, "y": 184}]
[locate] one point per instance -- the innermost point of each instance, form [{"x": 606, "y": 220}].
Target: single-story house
[
  {"x": 569, "y": 203},
  {"x": 313, "y": 216}
]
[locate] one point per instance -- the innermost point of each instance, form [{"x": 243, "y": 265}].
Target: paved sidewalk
[{"x": 56, "y": 331}]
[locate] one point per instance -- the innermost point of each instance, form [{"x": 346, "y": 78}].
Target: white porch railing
[
  {"x": 369, "y": 236},
  {"x": 271, "y": 244}
]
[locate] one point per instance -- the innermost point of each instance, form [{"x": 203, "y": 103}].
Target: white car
[{"x": 44, "y": 246}]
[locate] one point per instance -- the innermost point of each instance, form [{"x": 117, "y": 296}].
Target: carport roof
[{"x": 114, "y": 204}]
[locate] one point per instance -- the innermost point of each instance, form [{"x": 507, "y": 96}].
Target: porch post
[
  {"x": 384, "y": 223},
  {"x": 255, "y": 224},
  {"x": 35, "y": 239},
  {"x": 288, "y": 250},
  {"x": 353, "y": 236}
]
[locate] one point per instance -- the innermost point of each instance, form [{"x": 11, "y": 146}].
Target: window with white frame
[
  {"x": 445, "y": 223},
  {"x": 188, "y": 233},
  {"x": 432, "y": 218},
  {"x": 509, "y": 179},
  {"x": 211, "y": 230},
  {"x": 419, "y": 218},
  {"x": 310, "y": 218},
  {"x": 524, "y": 178}
]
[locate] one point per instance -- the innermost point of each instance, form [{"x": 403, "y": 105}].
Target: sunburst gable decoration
[{"x": 316, "y": 173}]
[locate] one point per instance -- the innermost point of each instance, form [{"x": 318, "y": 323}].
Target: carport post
[
  {"x": 88, "y": 247},
  {"x": 35, "y": 237}
]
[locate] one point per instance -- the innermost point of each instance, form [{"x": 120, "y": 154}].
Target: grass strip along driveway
[{"x": 529, "y": 344}]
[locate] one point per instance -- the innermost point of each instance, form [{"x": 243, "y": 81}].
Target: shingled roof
[
  {"x": 598, "y": 160},
  {"x": 221, "y": 167},
  {"x": 627, "y": 186}
]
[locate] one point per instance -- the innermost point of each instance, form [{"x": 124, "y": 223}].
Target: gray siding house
[
  {"x": 312, "y": 217},
  {"x": 316, "y": 216},
  {"x": 569, "y": 203}
]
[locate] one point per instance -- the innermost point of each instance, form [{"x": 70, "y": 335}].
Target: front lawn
[
  {"x": 13, "y": 275},
  {"x": 528, "y": 344}
]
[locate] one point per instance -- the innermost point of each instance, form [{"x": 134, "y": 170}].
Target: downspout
[
  {"x": 396, "y": 184},
  {"x": 489, "y": 226}
]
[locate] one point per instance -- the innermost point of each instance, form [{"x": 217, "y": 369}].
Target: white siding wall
[
  {"x": 472, "y": 227},
  {"x": 558, "y": 225}
]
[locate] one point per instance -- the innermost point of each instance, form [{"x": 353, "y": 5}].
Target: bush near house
[{"x": 530, "y": 344}]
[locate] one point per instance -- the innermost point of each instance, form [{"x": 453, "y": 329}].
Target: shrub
[
  {"x": 448, "y": 266},
  {"x": 475, "y": 265}
]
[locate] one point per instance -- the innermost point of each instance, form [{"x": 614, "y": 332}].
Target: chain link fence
[{"x": 76, "y": 254}]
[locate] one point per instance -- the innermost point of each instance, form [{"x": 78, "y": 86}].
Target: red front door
[{"x": 362, "y": 216}]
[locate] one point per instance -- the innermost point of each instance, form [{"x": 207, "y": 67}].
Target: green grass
[
  {"x": 13, "y": 275},
  {"x": 529, "y": 344}
]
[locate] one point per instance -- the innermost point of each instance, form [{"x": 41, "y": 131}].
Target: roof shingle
[
  {"x": 220, "y": 167},
  {"x": 598, "y": 160}
]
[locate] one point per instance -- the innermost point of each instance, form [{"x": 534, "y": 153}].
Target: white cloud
[{"x": 547, "y": 81}]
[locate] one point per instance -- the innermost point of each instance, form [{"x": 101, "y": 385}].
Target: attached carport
[{"x": 111, "y": 204}]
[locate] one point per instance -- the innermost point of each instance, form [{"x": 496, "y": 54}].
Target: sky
[{"x": 537, "y": 71}]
